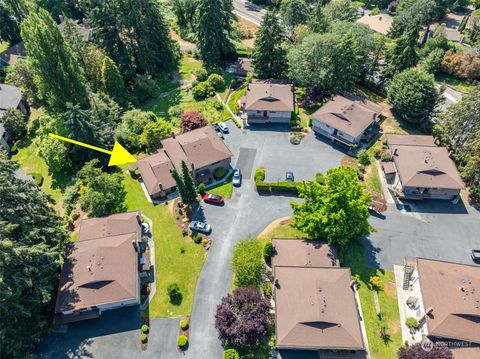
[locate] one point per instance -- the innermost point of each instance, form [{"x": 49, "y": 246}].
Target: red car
[{"x": 212, "y": 198}]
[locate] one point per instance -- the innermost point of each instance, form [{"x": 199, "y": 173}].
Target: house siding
[
  {"x": 425, "y": 193},
  {"x": 272, "y": 116},
  {"x": 327, "y": 131}
]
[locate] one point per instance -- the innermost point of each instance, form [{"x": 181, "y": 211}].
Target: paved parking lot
[{"x": 274, "y": 152}]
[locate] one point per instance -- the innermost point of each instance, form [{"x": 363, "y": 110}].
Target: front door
[{"x": 265, "y": 113}]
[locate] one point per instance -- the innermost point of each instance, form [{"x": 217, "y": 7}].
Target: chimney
[
  {"x": 134, "y": 244},
  {"x": 173, "y": 134},
  {"x": 61, "y": 18},
  {"x": 193, "y": 167},
  {"x": 395, "y": 152}
]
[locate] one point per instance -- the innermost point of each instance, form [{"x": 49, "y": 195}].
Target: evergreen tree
[
  {"x": 190, "y": 188},
  {"x": 212, "y": 40},
  {"x": 9, "y": 30},
  {"x": 57, "y": 75},
  {"x": 111, "y": 80},
  {"x": 294, "y": 12},
  {"x": 347, "y": 62},
  {"x": 318, "y": 22},
  {"x": 31, "y": 240},
  {"x": 269, "y": 56},
  {"x": 180, "y": 186},
  {"x": 18, "y": 8},
  {"x": 402, "y": 53}
]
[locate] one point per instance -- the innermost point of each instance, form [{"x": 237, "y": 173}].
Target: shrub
[
  {"x": 386, "y": 156},
  {"x": 231, "y": 354},
  {"x": 202, "y": 90},
  {"x": 216, "y": 81},
  {"x": 267, "y": 289},
  {"x": 267, "y": 251},
  {"x": 14, "y": 150},
  {"x": 182, "y": 341},
  {"x": 184, "y": 324},
  {"x": 375, "y": 282},
  {"x": 363, "y": 157},
  {"x": 143, "y": 338},
  {"x": 411, "y": 323},
  {"x": 201, "y": 188},
  {"x": 145, "y": 328},
  {"x": 173, "y": 290},
  {"x": 312, "y": 97},
  {"x": 218, "y": 105},
  {"x": 175, "y": 111},
  {"x": 320, "y": 178},
  {"x": 247, "y": 263},
  {"x": 144, "y": 88},
  {"x": 219, "y": 173},
  {"x": 465, "y": 64},
  {"x": 37, "y": 178},
  {"x": 262, "y": 186},
  {"x": 201, "y": 74},
  {"x": 259, "y": 174},
  {"x": 375, "y": 11},
  {"x": 197, "y": 238},
  {"x": 284, "y": 186}
]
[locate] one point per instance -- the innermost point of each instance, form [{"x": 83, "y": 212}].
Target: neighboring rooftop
[
  {"x": 378, "y": 23},
  {"x": 10, "y": 97},
  {"x": 82, "y": 27},
  {"x": 316, "y": 309},
  {"x": 241, "y": 67},
  {"x": 350, "y": 114},
  {"x": 102, "y": 266},
  {"x": 421, "y": 164},
  {"x": 200, "y": 147},
  {"x": 13, "y": 53},
  {"x": 452, "y": 290},
  {"x": 269, "y": 95},
  {"x": 303, "y": 253}
]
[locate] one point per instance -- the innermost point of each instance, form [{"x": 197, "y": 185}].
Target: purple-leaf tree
[
  {"x": 191, "y": 121},
  {"x": 431, "y": 351},
  {"x": 243, "y": 318}
]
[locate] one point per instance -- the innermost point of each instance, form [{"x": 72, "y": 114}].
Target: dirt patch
[
  {"x": 390, "y": 290},
  {"x": 253, "y": 29},
  {"x": 181, "y": 41},
  {"x": 348, "y": 161}
]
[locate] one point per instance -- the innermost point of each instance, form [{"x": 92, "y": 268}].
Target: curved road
[{"x": 248, "y": 11}]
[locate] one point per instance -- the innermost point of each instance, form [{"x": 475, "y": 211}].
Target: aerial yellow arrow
[{"x": 118, "y": 156}]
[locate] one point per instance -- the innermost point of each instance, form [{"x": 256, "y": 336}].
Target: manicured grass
[
  {"x": 171, "y": 265},
  {"x": 456, "y": 83},
  {"x": 372, "y": 178},
  {"x": 280, "y": 230},
  {"x": 188, "y": 66},
  {"x": 353, "y": 256},
  {"x": 3, "y": 45},
  {"x": 225, "y": 190},
  {"x": 235, "y": 97}
]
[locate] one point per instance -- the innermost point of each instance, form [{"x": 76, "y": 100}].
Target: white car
[
  {"x": 237, "y": 178},
  {"x": 223, "y": 127}
]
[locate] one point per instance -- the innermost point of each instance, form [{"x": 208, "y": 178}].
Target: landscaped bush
[
  {"x": 37, "y": 178},
  {"x": 267, "y": 289},
  {"x": 284, "y": 186},
  {"x": 175, "y": 111},
  {"x": 262, "y": 186},
  {"x": 259, "y": 174},
  {"x": 173, "y": 290},
  {"x": 203, "y": 90},
  {"x": 386, "y": 156},
  {"x": 216, "y": 81},
  {"x": 375, "y": 11},
  {"x": 201, "y": 74},
  {"x": 201, "y": 188},
  {"x": 267, "y": 251},
  {"x": 143, "y": 88},
  {"x": 184, "y": 324},
  {"x": 236, "y": 122},
  {"x": 411, "y": 323},
  {"x": 182, "y": 341},
  {"x": 218, "y": 105},
  {"x": 145, "y": 328},
  {"x": 320, "y": 178},
  {"x": 231, "y": 354},
  {"x": 14, "y": 150},
  {"x": 219, "y": 173},
  {"x": 143, "y": 337},
  {"x": 197, "y": 238},
  {"x": 375, "y": 282},
  {"x": 363, "y": 157}
]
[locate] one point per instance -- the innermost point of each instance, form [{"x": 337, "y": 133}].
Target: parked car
[
  {"x": 289, "y": 177},
  {"x": 216, "y": 127},
  {"x": 201, "y": 227},
  {"x": 220, "y": 135},
  {"x": 223, "y": 127},
  {"x": 237, "y": 178},
  {"x": 212, "y": 198},
  {"x": 476, "y": 255}
]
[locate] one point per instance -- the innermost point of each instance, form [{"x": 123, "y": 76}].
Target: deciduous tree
[
  {"x": 15, "y": 122},
  {"x": 191, "y": 121},
  {"x": 153, "y": 133},
  {"x": 247, "y": 263},
  {"x": 337, "y": 211},
  {"x": 416, "y": 351},
  {"x": 343, "y": 10}
]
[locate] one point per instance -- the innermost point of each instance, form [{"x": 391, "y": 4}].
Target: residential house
[
  {"x": 241, "y": 67},
  {"x": 316, "y": 309},
  {"x": 444, "y": 297},
  {"x": 201, "y": 149},
  {"x": 101, "y": 269},
  {"x": 12, "y": 54},
  {"x": 10, "y": 97},
  {"x": 82, "y": 27},
  {"x": 379, "y": 23},
  {"x": 348, "y": 120},
  {"x": 423, "y": 170},
  {"x": 268, "y": 101}
]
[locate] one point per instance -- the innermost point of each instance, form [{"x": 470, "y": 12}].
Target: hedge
[
  {"x": 259, "y": 174},
  {"x": 219, "y": 173},
  {"x": 145, "y": 328},
  {"x": 143, "y": 338},
  {"x": 184, "y": 324},
  {"x": 182, "y": 341},
  {"x": 231, "y": 354}
]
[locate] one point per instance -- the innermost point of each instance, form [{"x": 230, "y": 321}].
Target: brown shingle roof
[
  {"x": 350, "y": 114},
  {"x": 316, "y": 309},
  {"x": 377, "y": 23},
  {"x": 13, "y": 53},
  {"x": 102, "y": 266},
  {"x": 303, "y": 253},
  {"x": 453, "y": 291},
  {"x": 200, "y": 147},
  {"x": 269, "y": 96},
  {"x": 421, "y": 164}
]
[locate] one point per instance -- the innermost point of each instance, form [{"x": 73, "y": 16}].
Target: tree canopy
[
  {"x": 247, "y": 263},
  {"x": 337, "y": 211}
]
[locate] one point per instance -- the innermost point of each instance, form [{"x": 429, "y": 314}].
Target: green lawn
[
  {"x": 455, "y": 82},
  {"x": 3, "y": 45},
  {"x": 225, "y": 190},
  {"x": 235, "y": 97},
  {"x": 372, "y": 178},
  {"x": 354, "y": 257},
  {"x": 171, "y": 265}
]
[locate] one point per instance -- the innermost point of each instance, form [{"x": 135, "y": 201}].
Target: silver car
[
  {"x": 237, "y": 178},
  {"x": 201, "y": 227}
]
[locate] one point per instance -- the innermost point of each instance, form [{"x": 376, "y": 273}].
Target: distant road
[{"x": 248, "y": 11}]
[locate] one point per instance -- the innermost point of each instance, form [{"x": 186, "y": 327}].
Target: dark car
[
  {"x": 476, "y": 255},
  {"x": 201, "y": 227},
  {"x": 237, "y": 178},
  {"x": 212, "y": 198},
  {"x": 289, "y": 177},
  {"x": 216, "y": 127}
]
